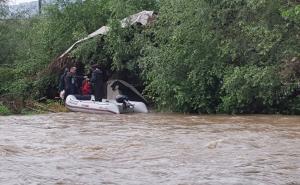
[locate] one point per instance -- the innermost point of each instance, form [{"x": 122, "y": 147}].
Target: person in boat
[
  {"x": 86, "y": 88},
  {"x": 80, "y": 73},
  {"x": 61, "y": 85},
  {"x": 71, "y": 83},
  {"x": 97, "y": 82}
]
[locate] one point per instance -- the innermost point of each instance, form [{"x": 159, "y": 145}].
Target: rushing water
[{"x": 84, "y": 149}]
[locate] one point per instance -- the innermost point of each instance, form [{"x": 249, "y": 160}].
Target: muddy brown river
[{"x": 84, "y": 149}]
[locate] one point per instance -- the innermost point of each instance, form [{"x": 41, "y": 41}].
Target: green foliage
[
  {"x": 121, "y": 9},
  {"x": 3, "y": 8},
  {"x": 64, "y": 23},
  {"x": 6, "y": 76},
  {"x": 29, "y": 45},
  {"x": 196, "y": 42},
  {"x": 120, "y": 50},
  {"x": 251, "y": 89},
  {"x": 292, "y": 13},
  {"x": 201, "y": 56},
  {"x": 183, "y": 73},
  {"x": 8, "y": 37},
  {"x": 4, "y": 110}
]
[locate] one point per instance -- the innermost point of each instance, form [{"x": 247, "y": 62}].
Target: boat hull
[{"x": 104, "y": 107}]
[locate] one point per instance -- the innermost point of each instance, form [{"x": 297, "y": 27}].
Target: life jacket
[{"x": 86, "y": 88}]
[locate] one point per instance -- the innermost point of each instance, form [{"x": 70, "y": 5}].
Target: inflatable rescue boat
[
  {"x": 79, "y": 104},
  {"x": 116, "y": 102}
]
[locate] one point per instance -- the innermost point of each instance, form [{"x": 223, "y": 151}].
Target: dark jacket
[
  {"x": 71, "y": 85},
  {"x": 61, "y": 85},
  {"x": 98, "y": 84}
]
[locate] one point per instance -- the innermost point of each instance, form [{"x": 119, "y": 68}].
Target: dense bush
[
  {"x": 221, "y": 56},
  {"x": 4, "y": 110},
  {"x": 31, "y": 44},
  {"x": 251, "y": 89}
]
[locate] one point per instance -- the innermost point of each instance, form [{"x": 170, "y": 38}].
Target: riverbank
[
  {"x": 34, "y": 107},
  {"x": 29, "y": 107}
]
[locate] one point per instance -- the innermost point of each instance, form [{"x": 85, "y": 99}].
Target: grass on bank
[
  {"x": 4, "y": 110},
  {"x": 31, "y": 107}
]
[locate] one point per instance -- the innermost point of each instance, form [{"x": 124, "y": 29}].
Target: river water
[{"x": 84, "y": 149}]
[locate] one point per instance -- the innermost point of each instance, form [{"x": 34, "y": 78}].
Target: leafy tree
[
  {"x": 3, "y": 8},
  {"x": 205, "y": 50},
  {"x": 56, "y": 29},
  {"x": 251, "y": 89}
]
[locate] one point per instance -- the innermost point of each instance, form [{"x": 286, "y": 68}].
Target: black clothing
[
  {"x": 79, "y": 82},
  {"x": 83, "y": 97},
  {"x": 61, "y": 85},
  {"x": 98, "y": 84},
  {"x": 71, "y": 85}
]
